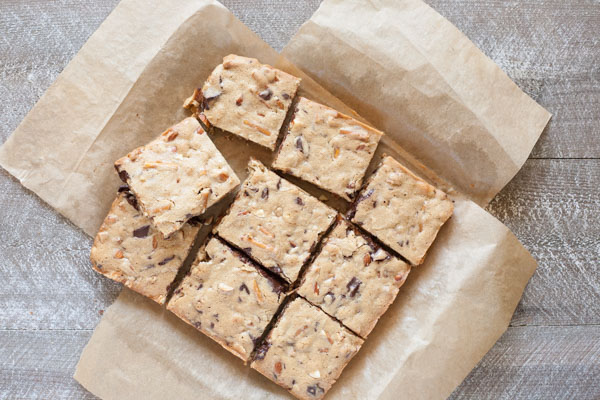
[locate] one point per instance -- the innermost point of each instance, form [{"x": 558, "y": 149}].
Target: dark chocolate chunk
[
  {"x": 200, "y": 286},
  {"x": 99, "y": 266},
  {"x": 142, "y": 232},
  {"x": 266, "y": 94},
  {"x": 265, "y": 193},
  {"x": 279, "y": 184},
  {"x": 239, "y": 101},
  {"x": 330, "y": 295},
  {"x": 246, "y": 193},
  {"x": 262, "y": 350},
  {"x": 299, "y": 145},
  {"x": 299, "y": 201},
  {"x": 123, "y": 175},
  {"x": 244, "y": 287},
  {"x": 123, "y": 188},
  {"x": 132, "y": 200},
  {"x": 276, "y": 269},
  {"x": 212, "y": 325},
  {"x": 197, "y": 324},
  {"x": 285, "y": 96},
  {"x": 353, "y": 286},
  {"x": 166, "y": 260},
  {"x": 315, "y": 390}
]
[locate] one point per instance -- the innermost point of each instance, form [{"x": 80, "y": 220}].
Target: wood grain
[
  {"x": 551, "y": 48},
  {"x": 40, "y": 364},
  {"x": 553, "y": 208},
  {"x": 50, "y": 299},
  {"x": 538, "y": 363}
]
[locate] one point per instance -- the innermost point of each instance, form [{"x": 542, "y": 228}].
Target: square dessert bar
[
  {"x": 128, "y": 249},
  {"x": 228, "y": 298},
  {"x": 352, "y": 279},
  {"x": 248, "y": 99},
  {"x": 177, "y": 176},
  {"x": 327, "y": 148},
  {"x": 306, "y": 351},
  {"x": 275, "y": 222},
  {"x": 401, "y": 210}
]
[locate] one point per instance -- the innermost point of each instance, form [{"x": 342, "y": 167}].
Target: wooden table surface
[{"x": 51, "y": 300}]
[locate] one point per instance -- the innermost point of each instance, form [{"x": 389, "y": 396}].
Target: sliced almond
[
  {"x": 257, "y": 127},
  {"x": 266, "y": 232},
  {"x": 259, "y": 295},
  {"x": 224, "y": 287}
]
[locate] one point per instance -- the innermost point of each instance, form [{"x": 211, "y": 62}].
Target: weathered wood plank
[
  {"x": 47, "y": 282},
  {"x": 527, "y": 363},
  {"x": 40, "y": 364},
  {"x": 538, "y": 363},
  {"x": 551, "y": 48},
  {"x": 274, "y": 21},
  {"x": 37, "y": 40},
  {"x": 552, "y": 206}
]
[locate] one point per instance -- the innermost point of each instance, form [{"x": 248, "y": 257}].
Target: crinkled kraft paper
[{"x": 448, "y": 112}]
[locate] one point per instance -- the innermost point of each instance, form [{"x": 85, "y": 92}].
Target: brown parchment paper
[
  {"x": 414, "y": 75},
  {"x": 126, "y": 85}
]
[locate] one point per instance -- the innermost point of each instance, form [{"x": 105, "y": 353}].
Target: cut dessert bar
[
  {"x": 401, "y": 210},
  {"x": 275, "y": 222},
  {"x": 306, "y": 351},
  {"x": 128, "y": 249},
  {"x": 228, "y": 298},
  {"x": 249, "y": 99},
  {"x": 352, "y": 279},
  {"x": 177, "y": 176},
  {"x": 327, "y": 148}
]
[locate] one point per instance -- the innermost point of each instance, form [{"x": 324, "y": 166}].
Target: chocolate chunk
[
  {"x": 166, "y": 260},
  {"x": 279, "y": 184},
  {"x": 239, "y": 101},
  {"x": 197, "y": 324},
  {"x": 315, "y": 389},
  {"x": 266, "y": 94},
  {"x": 123, "y": 175},
  {"x": 353, "y": 286},
  {"x": 195, "y": 221},
  {"x": 265, "y": 193},
  {"x": 244, "y": 287},
  {"x": 299, "y": 145},
  {"x": 123, "y": 188},
  {"x": 330, "y": 295},
  {"x": 262, "y": 350},
  {"x": 142, "y": 232},
  {"x": 212, "y": 325},
  {"x": 132, "y": 200},
  {"x": 299, "y": 201},
  {"x": 246, "y": 193},
  {"x": 200, "y": 286},
  {"x": 99, "y": 266},
  {"x": 285, "y": 96},
  {"x": 276, "y": 269}
]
